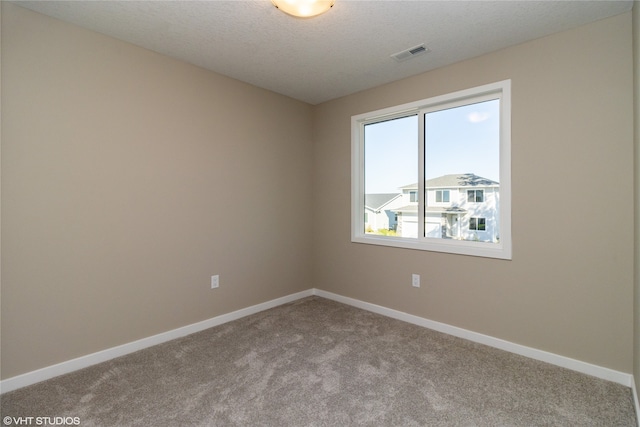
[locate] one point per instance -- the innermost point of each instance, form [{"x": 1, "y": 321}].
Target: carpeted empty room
[
  {"x": 377, "y": 213},
  {"x": 317, "y": 362}
]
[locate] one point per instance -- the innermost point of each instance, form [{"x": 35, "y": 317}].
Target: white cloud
[{"x": 477, "y": 117}]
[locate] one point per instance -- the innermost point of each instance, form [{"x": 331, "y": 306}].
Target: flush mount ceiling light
[{"x": 303, "y": 8}]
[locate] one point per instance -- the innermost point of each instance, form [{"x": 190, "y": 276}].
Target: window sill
[{"x": 452, "y": 246}]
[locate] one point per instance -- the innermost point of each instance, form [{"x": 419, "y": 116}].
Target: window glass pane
[
  {"x": 462, "y": 152},
  {"x": 391, "y": 176},
  {"x": 457, "y": 147}
]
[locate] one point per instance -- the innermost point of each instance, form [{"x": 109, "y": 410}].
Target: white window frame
[
  {"x": 475, "y": 196},
  {"x": 477, "y": 219},
  {"x": 442, "y": 193},
  {"x": 501, "y": 249}
]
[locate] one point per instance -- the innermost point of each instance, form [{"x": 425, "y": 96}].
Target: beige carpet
[{"x": 316, "y": 362}]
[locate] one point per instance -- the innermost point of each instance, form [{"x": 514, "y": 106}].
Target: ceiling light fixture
[{"x": 303, "y": 8}]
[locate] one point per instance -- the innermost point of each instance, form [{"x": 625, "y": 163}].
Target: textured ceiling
[{"x": 341, "y": 52}]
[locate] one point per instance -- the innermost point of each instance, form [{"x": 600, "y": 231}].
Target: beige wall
[
  {"x": 636, "y": 299},
  {"x": 128, "y": 179},
  {"x": 569, "y": 287}
]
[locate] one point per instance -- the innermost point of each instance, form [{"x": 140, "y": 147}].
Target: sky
[{"x": 458, "y": 140}]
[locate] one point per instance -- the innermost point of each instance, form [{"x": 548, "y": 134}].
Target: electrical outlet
[
  {"x": 215, "y": 281},
  {"x": 415, "y": 280}
]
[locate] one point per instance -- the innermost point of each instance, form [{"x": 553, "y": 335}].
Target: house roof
[
  {"x": 456, "y": 181},
  {"x": 377, "y": 201},
  {"x": 413, "y": 208}
]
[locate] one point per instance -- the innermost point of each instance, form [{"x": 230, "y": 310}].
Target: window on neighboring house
[
  {"x": 442, "y": 196},
  {"x": 478, "y": 224},
  {"x": 475, "y": 196},
  {"x": 461, "y": 141}
]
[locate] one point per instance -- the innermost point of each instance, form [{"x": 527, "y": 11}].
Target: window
[
  {"x": 442, "y": 196},
  {"x": 459, "y": 141},
  {"x": 478, "y": 224},
  {"x": 475, "y": 196}
]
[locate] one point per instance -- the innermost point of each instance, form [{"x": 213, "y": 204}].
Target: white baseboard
[
  {"x": 33, "y": 377},
  {"x": 111, "y": 353},
  {"x": 562, "y": 361}
]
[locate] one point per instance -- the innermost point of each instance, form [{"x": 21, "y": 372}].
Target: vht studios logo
[{"x": 41, "y": 421}]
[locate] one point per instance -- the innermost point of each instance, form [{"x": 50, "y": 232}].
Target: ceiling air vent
[{"x": 410, "y": 53}]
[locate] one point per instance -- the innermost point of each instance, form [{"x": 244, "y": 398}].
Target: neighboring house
[
  {"x": 379, "y": 211},
  {"x": 459, "y": 206}
]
